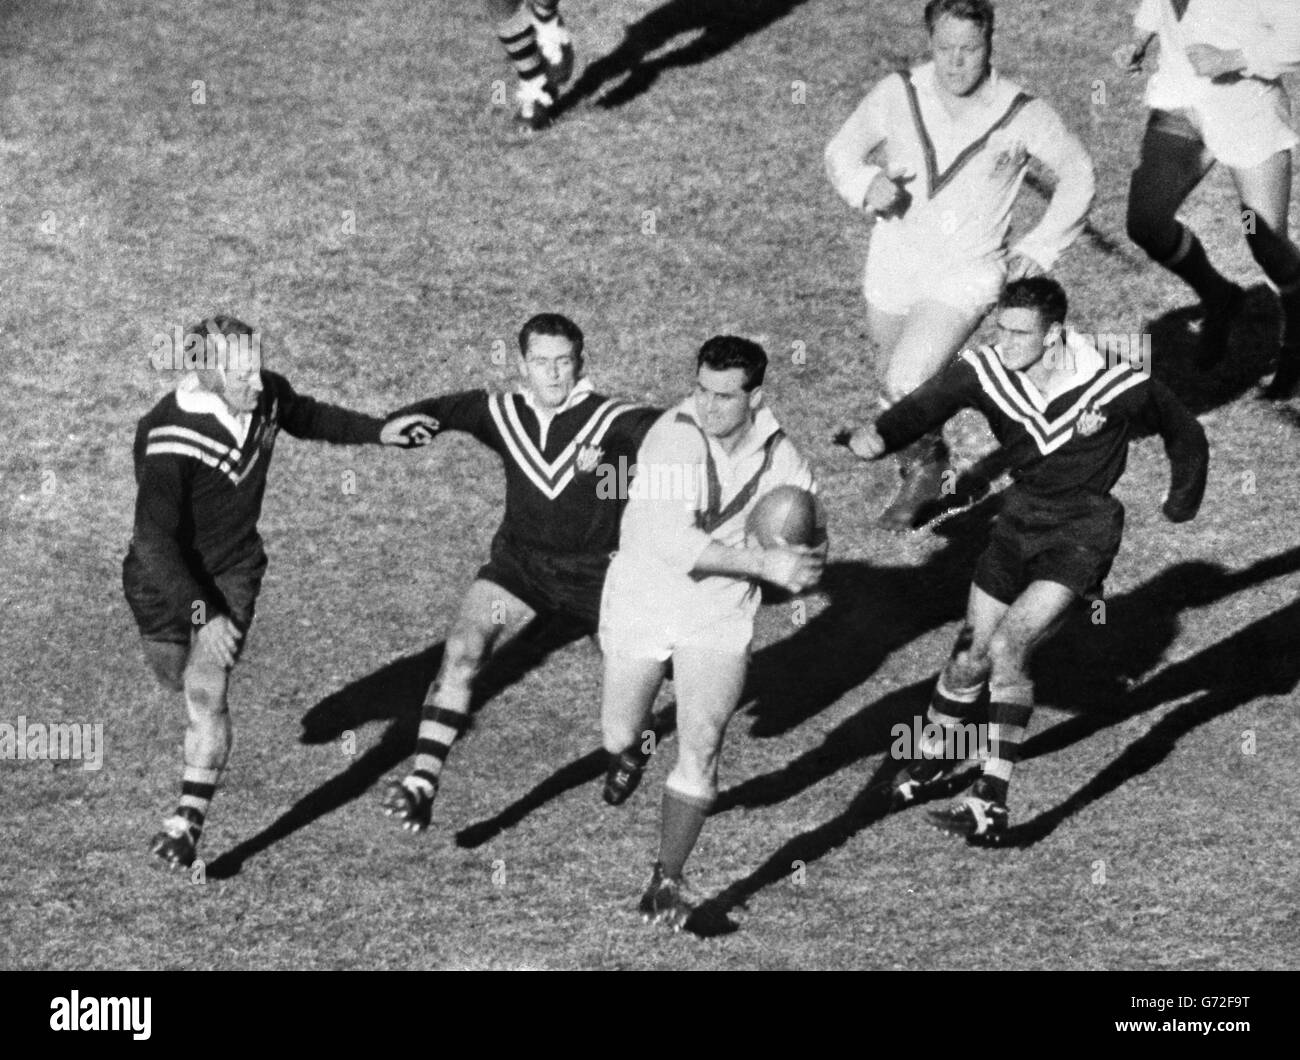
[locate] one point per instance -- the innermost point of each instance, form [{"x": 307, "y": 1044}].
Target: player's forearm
[
  {"x": 1189, "y": 461},
  {"x": 1067, "y": 213},
  {"x": 738, "y": 561},
  {"x": 316, "y": 421},
  {"x": 845, "y": 157}
]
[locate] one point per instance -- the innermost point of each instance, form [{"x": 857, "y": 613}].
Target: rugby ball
[{"x": 787, "y": 513}]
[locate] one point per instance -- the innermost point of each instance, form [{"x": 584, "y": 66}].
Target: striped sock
[
  {"x": 545, "y": 10},
  {"x": 949, "y": 709},
  {"x": 444, "y": 717},
  {"x": 520, "y": 42},
  {"x": 198, "y": 785},
  {"x": 1010, "y": 708}
]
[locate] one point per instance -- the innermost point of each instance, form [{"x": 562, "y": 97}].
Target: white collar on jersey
[
  {"x": 765, "y": 425},
  {"x": 580, "y": 392},
  {"x": 1086, "y": 361},
  {"x": 193, "y": 398}
]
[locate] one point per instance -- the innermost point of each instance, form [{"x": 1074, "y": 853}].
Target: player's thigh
[
  {"x": 1032, "y": 618},
  {"x": 487, "y": 613},
  {"x": 627, "y": 693},
  {"x": 932, "y": 333},
  {"x": 167, "y": 661},
  {"x": 708, "y": 685}
]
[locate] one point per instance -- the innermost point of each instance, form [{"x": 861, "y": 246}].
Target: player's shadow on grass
[
  {"x": 1083, "y": 669},
  {"x": 872, "y": 612},
  {"x": 1252, "y": 351},
  {"x": 719, "y": 24},
  {"x": 395, "y": 694}
]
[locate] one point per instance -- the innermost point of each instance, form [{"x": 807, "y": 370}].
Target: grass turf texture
[{"x": 348, "y": 185}]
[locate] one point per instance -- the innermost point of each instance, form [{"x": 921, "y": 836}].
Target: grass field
[{"x": 347, "y": 184}]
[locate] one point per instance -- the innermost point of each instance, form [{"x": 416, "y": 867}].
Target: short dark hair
[
  {"x": 977, "y": 11},
  {"x": 1039, "y": 293},
  {"x": 551, "y": 324},
  {"x": 221, "y": 324},
  {"x": 727, "y": 351}
]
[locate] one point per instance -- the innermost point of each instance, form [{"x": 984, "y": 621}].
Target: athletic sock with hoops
[
  {"x": 443, "y": 718},
  {"x": 198, "y": 785},
  {"x": 520, "y": 42},
  {"x": 1010, "y": 708}
]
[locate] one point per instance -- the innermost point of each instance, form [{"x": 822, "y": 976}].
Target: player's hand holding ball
[
  {"x": 887, "y": 195},
  {"x": 784, "y": 523},
  {"x": 410, "y": 431}
]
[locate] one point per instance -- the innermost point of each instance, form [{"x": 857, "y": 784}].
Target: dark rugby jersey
[
  {"x": 1076, "y": 444},
  {"x": 565, "y": 487},
  {"x": 201, "y": 477}
]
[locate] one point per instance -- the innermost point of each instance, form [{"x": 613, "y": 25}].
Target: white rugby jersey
[
  {"x": 690, "y": 492},
  {"x": 1266, "y": 31},
  {"x": 967, "y": 171}
]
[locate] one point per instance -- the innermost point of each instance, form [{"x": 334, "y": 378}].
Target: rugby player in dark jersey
[
  {"x": 566, "y": 451},
  {"x": 195, "y": 561},
  {"x": 1064, "y": 417}
]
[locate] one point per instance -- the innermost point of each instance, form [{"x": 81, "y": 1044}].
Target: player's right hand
[
  {"x": 793, "y": 568},
  {"x": 887, "y": 195},
  {"x": 219, "y": 640}
]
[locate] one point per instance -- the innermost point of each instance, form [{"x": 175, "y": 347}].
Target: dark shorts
[
  {"x": 1072, "y": 543},
  {"x": 1174, "y": 123},
  {"x": 549, "y": 583},
  {"x": 235, "y": 591}
]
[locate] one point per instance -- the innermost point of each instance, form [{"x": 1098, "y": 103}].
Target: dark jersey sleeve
[
  {"x": 466, "y": 410},
  {"x": 930, "y": 405},
  {"x": 305, "y": 417},
  {"x": 634, "y": 424},
  {"x": 161, "y": 502},
  {"x": 1185, "y": 445}
]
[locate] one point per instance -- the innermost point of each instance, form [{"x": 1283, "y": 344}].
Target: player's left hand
[
  {"x": 410, "y": 431},
  {"x": 1218, "y": 64},
  {"x": 1022, "y": 266}
]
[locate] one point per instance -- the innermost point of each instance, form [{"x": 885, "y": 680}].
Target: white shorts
[
  {"x": 899, "y": 274},
  {"x": 646, "y": 617},
  {"x": 1242, "y": 125}
]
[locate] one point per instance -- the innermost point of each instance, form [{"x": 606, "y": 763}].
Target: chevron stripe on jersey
[
  {"x": 550, "y": 477},
  {"x": 181, "y": 441},
  {"x": 1014, "y": 401},
  {"x": 715, "y": 516}
]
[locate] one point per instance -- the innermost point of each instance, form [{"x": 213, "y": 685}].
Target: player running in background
[
  {"x": 957, "y": 139},
  {"x": 540, "y": 50},
  {"x": 1065, "y": 417},
  {"x": 683, "y": 587},
  {"x": 558, "y": 438},
  {"x": 1217, "y": 97},
  {"x": 195, "y": 562}
]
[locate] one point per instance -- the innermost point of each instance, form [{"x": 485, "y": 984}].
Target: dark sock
[
  {"x": 683, "y": 817},
  {"x": 1190, "y": 264}
]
